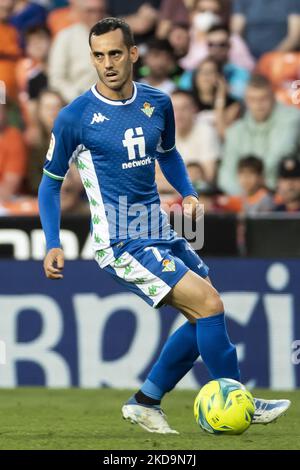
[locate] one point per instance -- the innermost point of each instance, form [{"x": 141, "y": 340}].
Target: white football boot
[
  {"x": 267, "y": 411},
  {"x": 150, "y": 418}
]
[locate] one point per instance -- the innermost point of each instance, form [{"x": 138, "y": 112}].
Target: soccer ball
[{"x": 224, "y": 406}]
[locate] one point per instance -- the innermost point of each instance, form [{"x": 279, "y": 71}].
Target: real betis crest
[
  {"x": 169, "y": 265},
  {"x": 148, "y": 109}
]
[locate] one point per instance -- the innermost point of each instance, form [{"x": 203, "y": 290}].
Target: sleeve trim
[
  {"x": 161, "y": 150},
  {"x": 51, "y": 175}
]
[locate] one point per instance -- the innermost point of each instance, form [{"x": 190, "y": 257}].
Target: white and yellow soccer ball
[{"x": 224, "y": 406}]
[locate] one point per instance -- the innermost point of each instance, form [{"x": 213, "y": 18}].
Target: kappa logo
[{"x": 98, "y": 117}]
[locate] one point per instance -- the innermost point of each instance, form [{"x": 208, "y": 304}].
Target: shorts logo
[
  {"x": 169, "y": 265},
  {"x": 51, "y": 148}
]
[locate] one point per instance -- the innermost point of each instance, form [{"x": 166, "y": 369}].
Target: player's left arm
[{"x": 173, "y": 167}]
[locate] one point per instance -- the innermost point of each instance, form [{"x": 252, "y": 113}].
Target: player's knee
[{"x": 213, "y": 305}]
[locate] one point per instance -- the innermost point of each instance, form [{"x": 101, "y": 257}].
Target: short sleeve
[
  {"x": 63, "y": 143},
  {"x": 167, "y": 141}
]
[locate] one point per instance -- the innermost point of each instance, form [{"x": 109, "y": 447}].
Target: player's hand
[
  {"x": 192, "y": 207},
  {"x": 54, "y": 263}
]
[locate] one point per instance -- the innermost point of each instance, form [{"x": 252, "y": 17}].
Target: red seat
[
  {"x": 283, "y": 71},
  {"x": 280, "y": 67}
]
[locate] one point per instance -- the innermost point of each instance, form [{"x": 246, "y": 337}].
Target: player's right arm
[{"x": 64, "y": 141}]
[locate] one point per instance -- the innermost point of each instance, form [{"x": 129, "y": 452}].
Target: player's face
[{"x": 112, "y": 59}]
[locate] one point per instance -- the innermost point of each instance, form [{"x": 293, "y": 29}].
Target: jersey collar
[{"x": 114, "y": 102}]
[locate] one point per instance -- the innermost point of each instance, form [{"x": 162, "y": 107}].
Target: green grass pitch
[{"x": 36, "y": 418}]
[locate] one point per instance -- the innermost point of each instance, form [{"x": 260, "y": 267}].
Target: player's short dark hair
[
  {"x": 259, "y": 81},
  {"x": 111, "y": 24},
  {"x": 252, "y": 163}
]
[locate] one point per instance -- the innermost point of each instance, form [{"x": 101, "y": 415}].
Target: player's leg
[
  {"x": 204, "y": 334},
  {"x": 152, "y": 285},
  {"x": 181, "y": 349},
  {"x": 140, "y": 272}
]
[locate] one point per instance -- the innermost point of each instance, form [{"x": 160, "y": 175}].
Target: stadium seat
[{"x": 282, "y": 69}]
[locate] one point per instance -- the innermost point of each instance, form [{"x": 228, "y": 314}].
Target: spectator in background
[
  {"x": 179, "y": 38},
  {"x": 283, "y": 71},
  {"x": 289, "y": 185},
  {"x": 209, "y": 195},
  {"x": 197, "y": 175},
  {"x": 9, "y": 49},
  {"x": 70, "y": 70},
  {"x": 218, "y": 42},
  {"x": 159, "y": 65},
  {"x": 63, "y": 17},
  {"x": 167, "y": 194},
  {"x": 31, "y": 71},
  {"x": 73, "y": 201},
  {"x": 141, "y": 15},
  {"x": 195, "y": 140},
  {"x": 12, "y": 158},
  {"x": 53, "y": 4},
  {"x": 269, "y": 130},
  {"x": 267, "y": 26},
  {"x": 26, "y": 15},
  {"x": 205, "y": 15},
  {"x": 171, "y": 12},
  {"x": 210, "y": 90},
  {"x": 256, "y": 198},
  {"x": 38, "y": 137}
]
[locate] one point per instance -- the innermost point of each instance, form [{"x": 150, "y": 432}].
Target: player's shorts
[{"x": 151, "y": 268}]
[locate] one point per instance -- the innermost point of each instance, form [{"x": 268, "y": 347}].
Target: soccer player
[{"x": 114, "y": 133}]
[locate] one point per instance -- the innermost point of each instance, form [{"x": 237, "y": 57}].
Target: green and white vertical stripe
[{"x": 100, "y": 233}]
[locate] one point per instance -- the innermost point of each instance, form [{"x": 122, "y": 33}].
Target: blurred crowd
[{"x": 231, "y": 68}]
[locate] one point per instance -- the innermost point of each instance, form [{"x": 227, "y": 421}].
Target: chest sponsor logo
[{"x": 134, "y": 141}]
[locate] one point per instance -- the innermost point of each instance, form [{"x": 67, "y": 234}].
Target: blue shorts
[{"x": 152, "y": 267}]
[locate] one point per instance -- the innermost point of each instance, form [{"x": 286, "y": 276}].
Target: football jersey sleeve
[
  {"x": 170, "y": 160},
  {"x": 167, "y": 141},
  {"x": 65, "y": 139}
]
